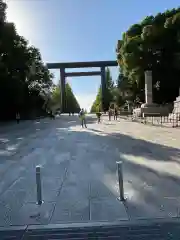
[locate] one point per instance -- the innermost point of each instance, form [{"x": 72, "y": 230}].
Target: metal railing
[{"x": 156, "y": 119}]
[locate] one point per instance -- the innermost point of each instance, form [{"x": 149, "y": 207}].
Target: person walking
[
  {"x": 82, "y": 118},
  {"x": 98, "y": 114},
  {"x": 109, "y": 114},
  {"x": 17, "y": 118},
  {"x": 115, "y": 114},
  {"x": 52, "y": 115}
]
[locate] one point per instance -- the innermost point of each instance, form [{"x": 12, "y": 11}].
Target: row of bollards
[{"x": 120, "y": 181}]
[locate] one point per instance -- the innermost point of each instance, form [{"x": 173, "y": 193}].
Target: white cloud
[{"x": 86, "y": 100}]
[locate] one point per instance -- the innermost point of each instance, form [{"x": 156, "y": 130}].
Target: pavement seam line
[
  {"x": 7, "y": 189},
  {"x": 64, "y": 178},
  {"x": 89, "y": 200},
  {"x": 24, "y": 233}
]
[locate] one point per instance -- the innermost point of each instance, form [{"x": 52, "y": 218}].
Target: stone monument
[
  {"x": 148, "y": 88},
  {"x": 176, "y": 109},
  {"x": 149, "y": 107}
]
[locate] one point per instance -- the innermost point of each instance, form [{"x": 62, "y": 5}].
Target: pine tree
[{"x": 72, "y": 104}]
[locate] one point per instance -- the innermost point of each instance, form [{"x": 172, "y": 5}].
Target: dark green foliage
[
  {"x": 152, "y": 44},
  {"x": 72, "y": 105},
  {"x": 25, "y": 83},
  {"x": 21, "y": 87}
]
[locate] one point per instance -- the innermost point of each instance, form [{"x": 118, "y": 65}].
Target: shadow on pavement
[
  {"x": 89, "y": 191},
  {"x": 143, "y": 148},
  {"x": 16, "y": 136},
  {"x": 151, "y": 172}
]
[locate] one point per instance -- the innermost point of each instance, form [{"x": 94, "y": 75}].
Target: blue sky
[{"x": 80, "y": 30}]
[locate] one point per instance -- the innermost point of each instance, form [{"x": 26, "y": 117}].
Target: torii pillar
[
  {"x": 103, "y": 89},
  {"x": 63, "y": 89}
]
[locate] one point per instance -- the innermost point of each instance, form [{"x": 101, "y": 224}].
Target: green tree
[
  {"x": 109, "y": 89},
  {"x": 21, "y": 89},
  {"x": 96, "y": 106},
  {"x": 153, "y": 44},
  {"x": 72, "y": 105}
]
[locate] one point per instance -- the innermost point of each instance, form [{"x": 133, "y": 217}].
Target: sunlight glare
[
  {"x": 21, "y": 17},
  {"x": 159, "y": 166}
]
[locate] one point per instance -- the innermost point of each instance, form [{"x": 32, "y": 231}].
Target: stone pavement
[{"x": 79, "y": 177}]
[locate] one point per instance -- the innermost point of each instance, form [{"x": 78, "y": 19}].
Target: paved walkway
[{"x": 79, "y": 179}]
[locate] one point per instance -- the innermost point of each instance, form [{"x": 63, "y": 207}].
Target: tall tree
[
  {"x": 109, "y": 89},
  {"x": 153, "y": 44},
  {"x": 21, "y": 90},
  {"x": 96, "y": 106},
  {"x": 72, "y": 105}
]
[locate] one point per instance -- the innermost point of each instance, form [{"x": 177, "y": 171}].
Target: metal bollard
[
  {"x": 120, "y": 179},
  {"x": 38, "y": 185}
]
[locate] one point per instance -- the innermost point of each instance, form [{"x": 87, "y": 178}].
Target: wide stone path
[{"x": 79, "y": 177}]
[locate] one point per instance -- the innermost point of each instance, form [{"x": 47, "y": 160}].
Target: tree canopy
[
  {"x": 26, "y": 84},
  {"x": 153, "y": 44},
  {"x": 24, "y": 79},
  {"x": 72, "y": 105}
]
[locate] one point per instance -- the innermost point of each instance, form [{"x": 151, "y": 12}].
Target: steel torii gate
[{"x": 63, "y": 74}]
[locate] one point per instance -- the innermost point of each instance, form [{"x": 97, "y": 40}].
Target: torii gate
[{"x": 100, "y": 64}]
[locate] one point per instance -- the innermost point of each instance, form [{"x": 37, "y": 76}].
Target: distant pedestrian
[
  {"x": 82, "y": 118},
  {"x": 98, "y": 114},
  {"x": 17, "y": 118},
  {"x": 115, "y": 114},
  {"x": 109, "y": 114},
  {"x": 52, "y": 116}
]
